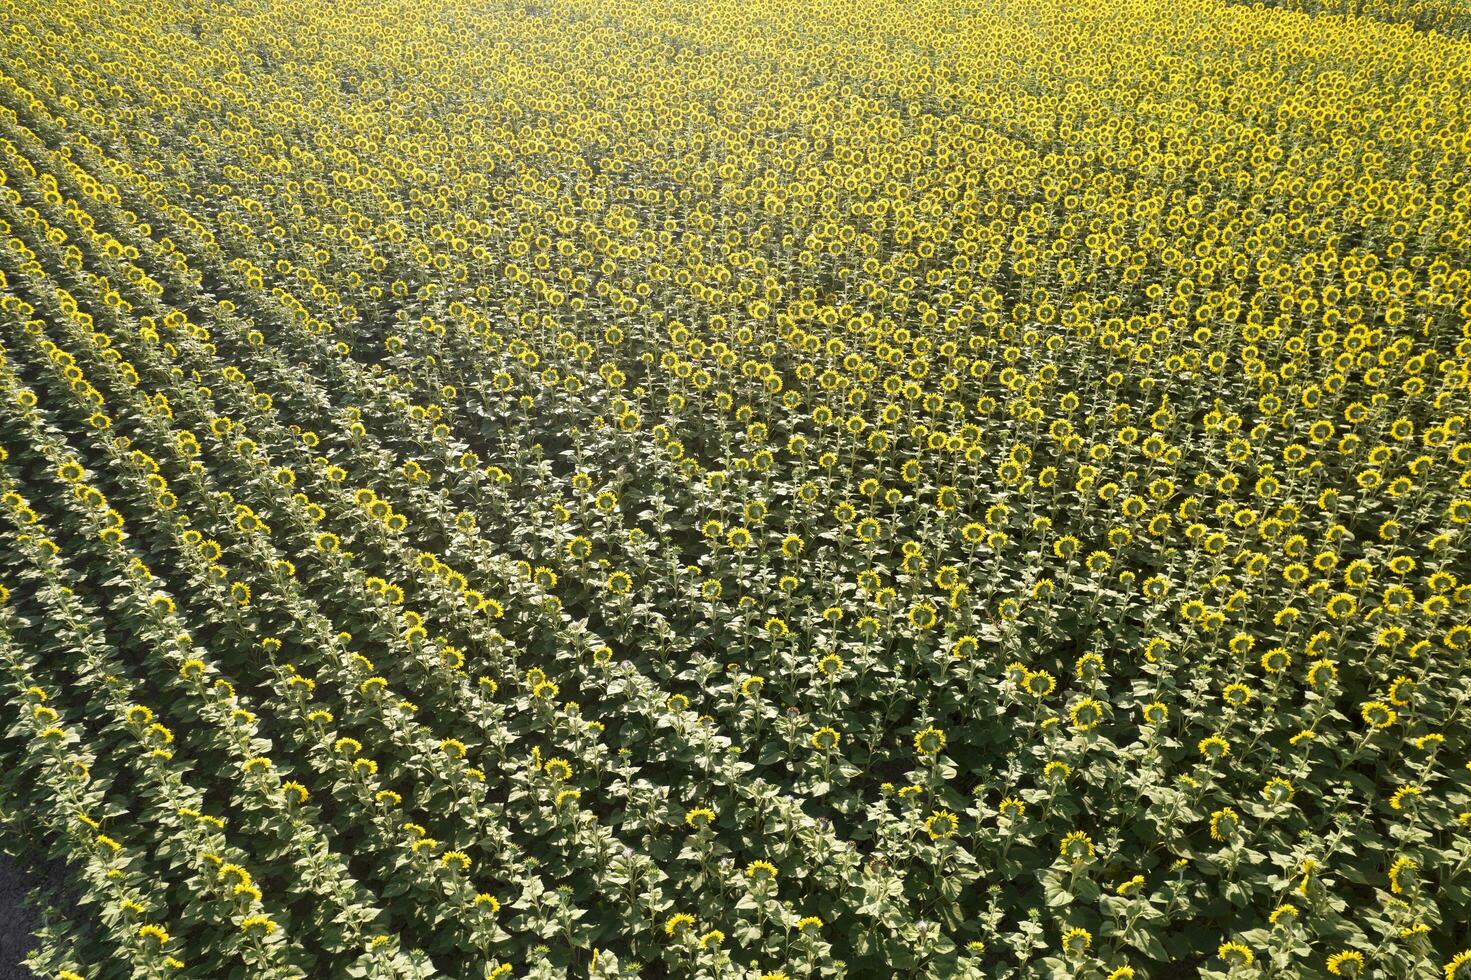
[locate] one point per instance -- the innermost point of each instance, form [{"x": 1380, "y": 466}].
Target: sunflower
[
  {"x": 1277, "y": 791},
  {"x": 1077, "y": 847},
  {"x": 941, "y": 824},
  {"x": 760, "y": 871},
  {"x": 1224, "y": 824},
  {"x": 1086, "y": 715},
  {"x": 929, "y": 741},
  {"x": 1038, "y": 683},
  {"x": 1235, "y": 955},
  {"x": 1402, "y": 874},
  {"x": 1377, "y": 714},
  {"x": 1075, "y": 941},
  {"x": 1214, "y": 748}
]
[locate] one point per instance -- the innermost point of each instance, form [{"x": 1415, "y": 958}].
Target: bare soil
[{"x": 16, "y": 919}]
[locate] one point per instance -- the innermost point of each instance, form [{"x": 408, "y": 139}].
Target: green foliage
[{"x": 732, "y": 490}]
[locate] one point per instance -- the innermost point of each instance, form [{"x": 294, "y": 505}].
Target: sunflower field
[
  {"x": 737, "y": 488},
  {"x": 1449, "y": 16}
]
